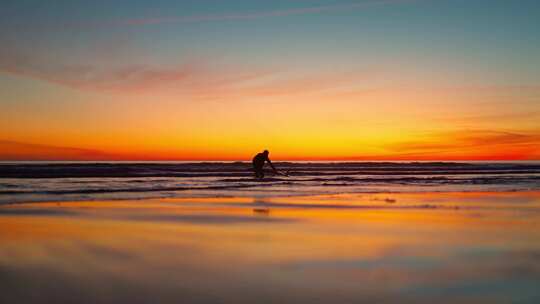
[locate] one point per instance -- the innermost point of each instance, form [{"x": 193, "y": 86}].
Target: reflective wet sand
[{"x": 382, "y": 248}]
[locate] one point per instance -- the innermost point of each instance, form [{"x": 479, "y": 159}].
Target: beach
[{"x": 422, "y": 247}]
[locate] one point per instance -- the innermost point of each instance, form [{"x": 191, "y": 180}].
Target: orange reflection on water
[{"x": 347, "y": 247}]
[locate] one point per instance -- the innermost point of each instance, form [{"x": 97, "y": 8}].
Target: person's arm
[{"x": 271, "y": 165}]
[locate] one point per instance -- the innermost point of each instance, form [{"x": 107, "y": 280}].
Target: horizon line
[{"x": 275, "y": 160}]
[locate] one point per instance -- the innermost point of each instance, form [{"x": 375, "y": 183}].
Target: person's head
[{"x": 265, "y": 152}]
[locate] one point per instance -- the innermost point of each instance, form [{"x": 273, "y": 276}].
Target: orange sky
[{"x": 321, "y": 117}]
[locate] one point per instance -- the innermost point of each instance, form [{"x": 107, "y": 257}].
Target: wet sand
[{"x": 383, "y": 248}]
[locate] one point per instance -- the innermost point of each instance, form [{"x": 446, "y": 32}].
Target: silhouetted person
[{"x": 258, "y": 163}]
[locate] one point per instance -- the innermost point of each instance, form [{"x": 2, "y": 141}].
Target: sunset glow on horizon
[{"x": 307, "y": 80}]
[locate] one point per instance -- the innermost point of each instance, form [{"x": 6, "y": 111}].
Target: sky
[{"x": 307, "y": 80}]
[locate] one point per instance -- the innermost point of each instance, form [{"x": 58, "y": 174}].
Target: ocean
[
  {"x": 78, "y": 181},
  {"x": 330, "y": 232}
]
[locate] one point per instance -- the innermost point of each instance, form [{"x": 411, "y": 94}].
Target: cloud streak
[
  {"x": 472, "y": 144},
  {"x": 501, "y": 117},
  {"x": 188, "y": 77},
  {"x": 18, "y": 151},
  {"x": 194, "y": 78},
  {"x": 259, "y": 14}
]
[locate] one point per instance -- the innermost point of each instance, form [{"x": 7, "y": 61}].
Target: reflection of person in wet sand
[{"x": 258, "y": 164}]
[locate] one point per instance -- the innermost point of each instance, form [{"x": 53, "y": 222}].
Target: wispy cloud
[
  {"x": 194, "y": 78},
  {"x": 260, "y": 14},
  {"x": 16, "y": 151},
  {"x": 473, "y": 144},
  {"x": 188, "y": 77},
  {"x": 499, "y": 117},
  {"x": 35, "y": 26}
]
